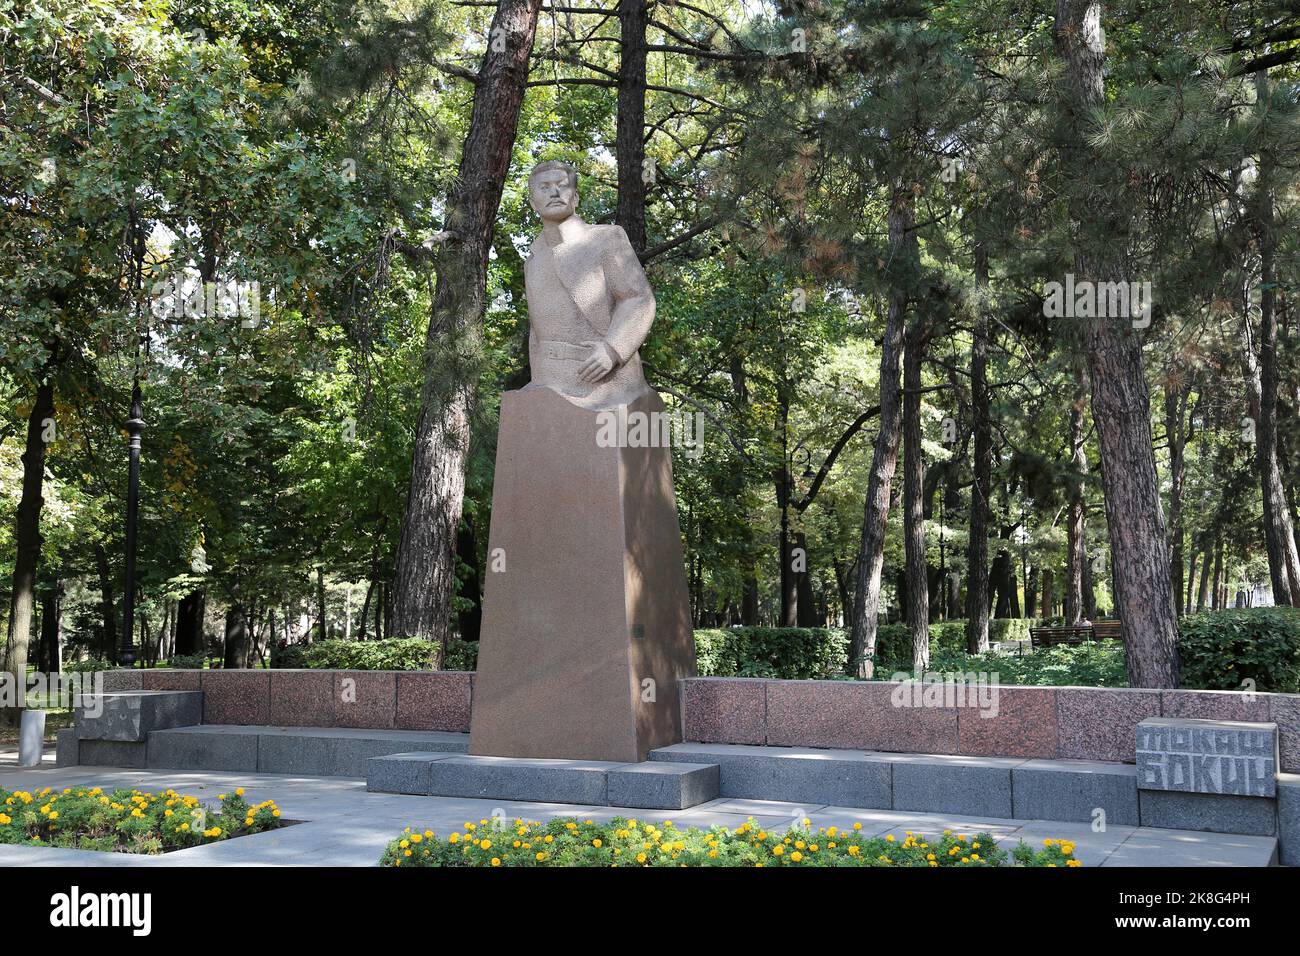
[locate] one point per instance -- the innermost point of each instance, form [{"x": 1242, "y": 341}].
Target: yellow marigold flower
[
  {"x": 54, "y": 814},
  {"x": 540, "y": 857},
  {"x": 890, "y": 838},
  {"x": 799, "y": 844},
  {"x": 640, "y": 857},
  {"x": 275, "y": 813},
  {"x": 496, "y": 860},
  {"x": 454, "y": 838},
  {"x": 239, "y": 791},
  {"x": 854, "y": 851},
  {"x": 416, "y": 838},
  {"x": 597, "y": 843},
  {"x": 404, "y": 844},
  {"x": 796, "y": 856},
  {"x": 484, "y": 845},
  {"x": 929, "y": 856},
  {"x": 778, "y": 849},
  {"x": 407, "y": 853},
  {"x": 857, "y": 826}
]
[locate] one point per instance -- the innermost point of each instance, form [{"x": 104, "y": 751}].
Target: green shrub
[
  {"x": 89, "y": 666},
  {"x": 785, "y": 652},
  {"x": 1093, "y": 664},
  {"x": 567, "y": 841},
  {"x": 390, "y": 654},
  {"x": 894, "y": 641},
  {"x": 1220, "y": 650}
]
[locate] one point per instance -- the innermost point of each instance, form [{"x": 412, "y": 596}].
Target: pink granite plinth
[
  {"x": 1214, "y": 705},
  {"x": 434, "y": 700},
  {"x": 1101, "y": 723},
  {"x": 586, "y": 617},
  {"x": 365, "y": 699},
  {"x": 902, "y": 719},
  {"x": 1284, "y": 710},
  {"x": 1025, "y": 725},
  {"x": 167, "y": 679},
  {"x": 236, "y": 696},
  {"x": 819, "y": 713},
  {"x": 302, "y": 698},
  {"x": 725, "y": 710}
]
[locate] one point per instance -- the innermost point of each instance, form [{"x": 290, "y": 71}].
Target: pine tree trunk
[
  {"x": 27, "y": 547},
  {"x": 1121, "y": 404},
  {"x": 425, "y": 580},
  {"x": 918, "y": 597},
  {"x": 236, "y": 648},
  {"x": 189, "y": 625},
  {"x": 1218, "y": 575},
  {"x": 107, "y": 604},
  {"x": 1076, "y": 560},
  {"x": 884, "y": 456},
  {"x": 977, "y": 547},
  {"x": 1175, "y": 399},
  {"x": 1049, "y": 599},
  {"x": 1279, "y": 531},
  {"x": 629, "y": 137}
]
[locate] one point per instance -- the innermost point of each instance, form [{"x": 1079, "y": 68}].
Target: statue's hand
[{"x": 597, "y": 365}]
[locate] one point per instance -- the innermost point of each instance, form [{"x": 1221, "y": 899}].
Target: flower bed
[
  {"x": 127, "y": 821},
  {"x": 567, "y": 841}
]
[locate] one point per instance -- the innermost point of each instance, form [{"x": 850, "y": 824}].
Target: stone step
[
  {"x": 130, "y": 716},
  {"x": 310, "y": 751},
  {"x": 651, "y": 786}
]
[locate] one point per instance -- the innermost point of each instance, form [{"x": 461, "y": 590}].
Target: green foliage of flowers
[
  {"x": 127, "y": 821},
  {"x": 568, "y": 841},
  {"x": 1220, "y": 650}
]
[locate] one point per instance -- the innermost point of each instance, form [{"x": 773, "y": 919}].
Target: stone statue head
[{"x": 553, "y": 190}]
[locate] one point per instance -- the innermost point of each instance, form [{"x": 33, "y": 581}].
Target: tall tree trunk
[
  {"x": 918, "y": 596},
  {"x": 884, "y": 456},
  {"x": 1175, "y": 402},
  {"x": 52, "y": 630},
  {"x": 1031, "y": 592},
  {"x": 629, "y": 137},
  {"x": 1076, "y": 560},
  {"x": 1203, "y": 590},
  {"x": 27, "y": 546},
  {"x": 236, "y": 642},
  {"x": 470, "y": 619},
  {"x": 977, "y": 547},
  {"x": 807, "y": 615},
  {"x": 425, "y": 579},
  {"x": 189, "y": 624},
  {"x": 107, "y": 602},
  {"x": 1049, "y": 599},
  {"x": 1121, "y": 404},
  {"x": 1218, "y": 575},
  {"x": 1279, "y": 531}
]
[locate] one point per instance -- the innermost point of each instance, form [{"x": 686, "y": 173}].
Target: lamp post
[{"x": 135, "y": 427}]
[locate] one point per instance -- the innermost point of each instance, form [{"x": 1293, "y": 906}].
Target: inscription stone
[{"x": 1207, "y": 756}]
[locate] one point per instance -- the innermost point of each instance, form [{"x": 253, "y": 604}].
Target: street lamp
[{"x": 135, "y": 427}]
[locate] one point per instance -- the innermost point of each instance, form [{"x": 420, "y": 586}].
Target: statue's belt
[{"x": 564, "y": 351}]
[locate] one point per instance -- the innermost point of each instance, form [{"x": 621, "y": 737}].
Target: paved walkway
[{"x": 346, "y": 826}]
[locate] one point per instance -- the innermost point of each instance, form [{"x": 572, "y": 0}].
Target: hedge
[
  {"x": 786, "y": 652},
  {"x": 1221, "y": 650}
]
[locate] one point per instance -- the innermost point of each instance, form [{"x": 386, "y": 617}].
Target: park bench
[{"x": 1074, "y": 633}]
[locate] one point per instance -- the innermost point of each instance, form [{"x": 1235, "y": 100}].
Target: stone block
[
  {"x": 1288, "y": 818},
  {"x": 365, "y": 699},
  {"x": 725, "y": 710},
  {"x": 586, "y": 631},
  {"x": 1217, "y": 813},
  {"x": 112, "y": 753},
  {"x": 402, "y": 773},
  {"x": 302, "y": 698},
  {"x": 1074, "y": 790},
  {"x": 1214, "y": 705},
  {"x": 66, "y": 752},
  {"x": 978, "y": 786},
  {"x": 1207, "y": 756},
  {"x": 230, "y": 747},
  {"x": 123, "y": 679},
  {"x": 1284, "y": 710},
  {"x": 132, "y": 715},
  {"x": 236, "y": 697},
  {"x": 434, "y": 700},
  {"x": 171, "y": 679},
  {"x": 661, "y": 785},
  {"x": 844, "y": 778},
  {"x": 1024, "y": 724},
  {"x": 902, "y": 718},
  {"x": 1099, "y": 723},
  {"x": 819, "y": 713},
  {"x": 532, "y": 779},
  {"x": 353, "y": 752}
]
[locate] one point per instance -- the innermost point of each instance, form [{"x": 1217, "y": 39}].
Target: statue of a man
[{"x": 589, "y": 304}]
